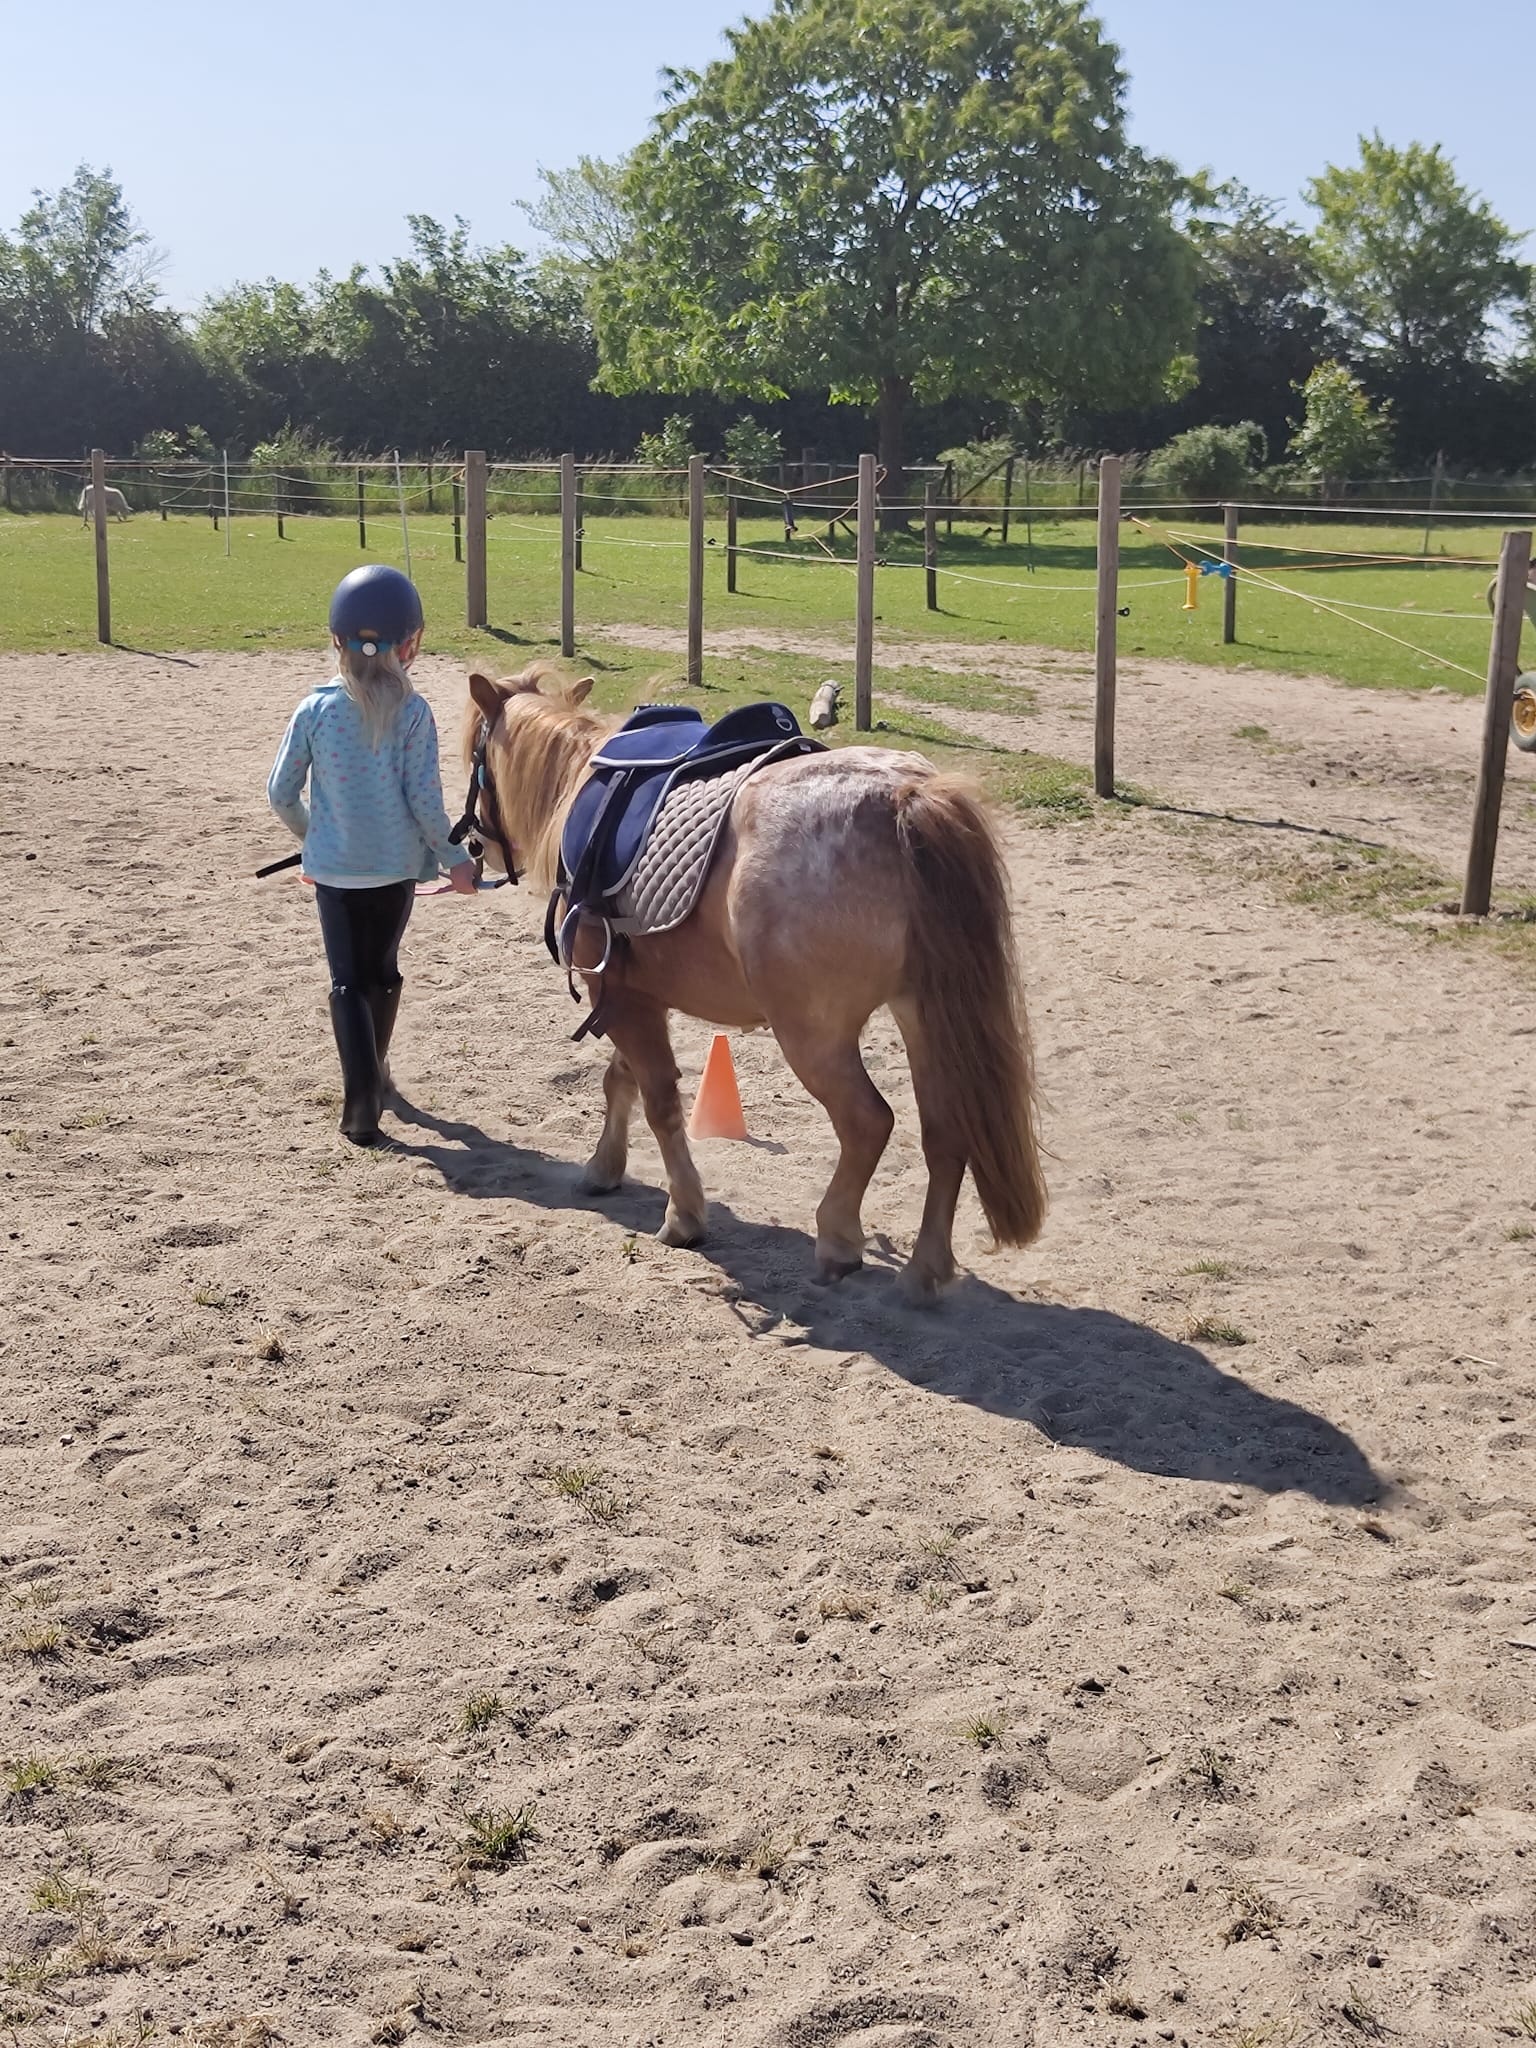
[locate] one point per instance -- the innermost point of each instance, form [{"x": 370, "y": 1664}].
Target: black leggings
[{"x": 362, "y": 929}]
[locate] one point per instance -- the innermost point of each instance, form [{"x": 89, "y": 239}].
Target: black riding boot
[
  {"x": 363, "y": 1092},
  {"x": 384, "y": 1004}
]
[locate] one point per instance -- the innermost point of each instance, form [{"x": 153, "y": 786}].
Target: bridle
[{"x": 481, "y": 820}]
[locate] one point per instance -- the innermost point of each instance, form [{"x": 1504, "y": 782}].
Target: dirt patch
[{"x": 945, "y": 1678}]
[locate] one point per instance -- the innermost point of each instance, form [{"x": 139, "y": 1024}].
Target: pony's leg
[
  {"x": 638, "y": 1028},
  {"x": 605, "y": 1169},
  {"x": 827, "y": 1063},
  {"x": 932, "y": 1264}
]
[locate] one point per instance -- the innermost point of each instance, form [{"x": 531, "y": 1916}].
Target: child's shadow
[{"x": 474, "y": 1163}]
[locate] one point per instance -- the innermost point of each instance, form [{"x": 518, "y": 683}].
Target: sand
[{"x": 1042, "y": 1670}]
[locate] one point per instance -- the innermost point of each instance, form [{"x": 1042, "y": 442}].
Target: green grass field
[{"x": 173, "y": 588}]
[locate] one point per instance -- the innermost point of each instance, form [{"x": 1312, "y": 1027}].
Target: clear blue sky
[{"x": 279, "y": 137}]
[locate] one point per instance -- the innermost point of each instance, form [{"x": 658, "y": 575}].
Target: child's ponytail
[{"x": 378, "y": 686}]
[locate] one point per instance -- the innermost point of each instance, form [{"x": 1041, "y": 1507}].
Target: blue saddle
[{"x": 633, "y": 772}]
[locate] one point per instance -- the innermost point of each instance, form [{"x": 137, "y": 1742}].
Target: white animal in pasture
[
  {"x": 824, "y": 706},
  {"x": 116, "y": 504}
]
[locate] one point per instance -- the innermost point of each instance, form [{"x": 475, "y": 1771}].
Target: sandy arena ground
[{"x": 1038, "y": 1671}]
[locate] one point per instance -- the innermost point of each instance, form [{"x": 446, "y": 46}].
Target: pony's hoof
[
  {"x": 919, "y": 1289},
  {"x": 830, "y": 1270},
  {"x": 677, "y": 1231},
  {"x": 594, "y": 1183}
]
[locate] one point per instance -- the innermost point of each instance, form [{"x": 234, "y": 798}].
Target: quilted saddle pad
[{"x": 665, "y": 882}]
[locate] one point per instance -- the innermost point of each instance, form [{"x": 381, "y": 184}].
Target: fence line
[
  {"x": 1263, "y": 582},
  {"x": 1344, "y": 556},
  {"x": 227, "y": 487}
]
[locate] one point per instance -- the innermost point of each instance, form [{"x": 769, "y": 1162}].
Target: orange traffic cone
[{"x": 717, "y": 1109}]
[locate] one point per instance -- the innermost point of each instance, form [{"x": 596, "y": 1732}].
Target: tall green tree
[
  {"x": 1414, "y": 264},
  {"x": 450, "y": 345},
  {"x": 1262, "y": 325},
  {"x": 1262, "y": 330},
  {"x": 899, "y": 200},
  {"x": 583, "y": 213},
  {"x": 86, "y": 352},
  {"x": 79, "y": 257}
]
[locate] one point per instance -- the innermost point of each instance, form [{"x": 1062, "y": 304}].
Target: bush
[
  {"x": 1343, "y": 435},
  {"x": 752, "y": 448},
  {"x": 1210, "y": 463},
  {"x": 976, "y": 461},
  {"x": 294, "y": 450},
  {"x": 672, "y": 448}
]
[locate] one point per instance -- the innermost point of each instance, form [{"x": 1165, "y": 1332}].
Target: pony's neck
[{"x": 548, "y": 750}]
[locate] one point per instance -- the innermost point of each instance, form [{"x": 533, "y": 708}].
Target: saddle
[{"x": 614, "y": 821}]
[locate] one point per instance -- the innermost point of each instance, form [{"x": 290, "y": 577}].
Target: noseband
[{"x": 482, "y": 814}]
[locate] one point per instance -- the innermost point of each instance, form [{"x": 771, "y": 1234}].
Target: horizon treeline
[{"x": 1408, "y": 281}]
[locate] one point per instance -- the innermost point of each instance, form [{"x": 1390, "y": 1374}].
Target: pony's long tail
[{"x": 978, "y": 1070}]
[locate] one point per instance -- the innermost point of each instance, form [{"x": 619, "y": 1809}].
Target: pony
[
  {"x": 844, "y": 881},
  {"x": 113, "y": 501}
]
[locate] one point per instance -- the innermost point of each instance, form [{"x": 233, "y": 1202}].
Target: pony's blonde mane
[{"x": 538, "y": 752}]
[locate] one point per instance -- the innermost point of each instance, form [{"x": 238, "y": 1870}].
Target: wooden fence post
[
  {"x": 362, "y": 517},
  {"x": 1007, "y": 497},
  {"x": 1503, "y": 666},
  {"x": 864, "y": 611},
  {"x": 949, "y": 490},
  {"x": 1229, "y": 582},
  {"x": 730, "y": 541},
  {"x": 405, "y": 523},
  {"x": 567, "y": 555},
  {"x": 581, "y": 521},
  {"x": 5, "y": 477},
  {"x": 1105, "y": 625},
  {"x": 931, "y": 543},
  {"x": 277, "y": 502},
  {"x": 807, "y": 468},
  {"x": 431, "y": 501},
  {"x": 474, "y": 534},
  {"x": 458, "y": 530},
  {"x": 103, "y": 584},
  {"x": 695, "y": 571}
]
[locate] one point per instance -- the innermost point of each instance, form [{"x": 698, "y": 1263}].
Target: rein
[{"x": 483, "y": 822}]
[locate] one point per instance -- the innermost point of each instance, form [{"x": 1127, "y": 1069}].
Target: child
[{"x": 375, "y": 825}]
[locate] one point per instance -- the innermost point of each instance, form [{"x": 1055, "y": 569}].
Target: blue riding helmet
[{"x": 375, "y": 607}]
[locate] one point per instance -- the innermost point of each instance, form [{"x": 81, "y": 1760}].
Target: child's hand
[{"x": 461, "y": 878}]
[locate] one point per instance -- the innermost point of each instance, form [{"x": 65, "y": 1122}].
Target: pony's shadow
[{"x": 1083, "y": 1377}]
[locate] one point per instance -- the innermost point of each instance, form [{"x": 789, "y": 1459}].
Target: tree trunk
[{"x": 895, "y": 394}]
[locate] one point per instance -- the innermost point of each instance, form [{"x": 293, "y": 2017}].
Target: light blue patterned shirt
[{"x": 374, "y": 815}]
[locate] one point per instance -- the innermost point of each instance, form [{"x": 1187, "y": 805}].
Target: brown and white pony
[{"x": 844, "y": 881}]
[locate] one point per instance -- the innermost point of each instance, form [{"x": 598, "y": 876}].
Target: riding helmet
[{"x": 375, "y": 607}]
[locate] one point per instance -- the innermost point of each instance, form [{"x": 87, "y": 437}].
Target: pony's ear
[
  {"x": 486, "y": 695},
  {"x": 580, "y": 692}
]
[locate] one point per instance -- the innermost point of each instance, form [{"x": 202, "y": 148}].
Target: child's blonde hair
[{"x": 378, "y": 685}]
